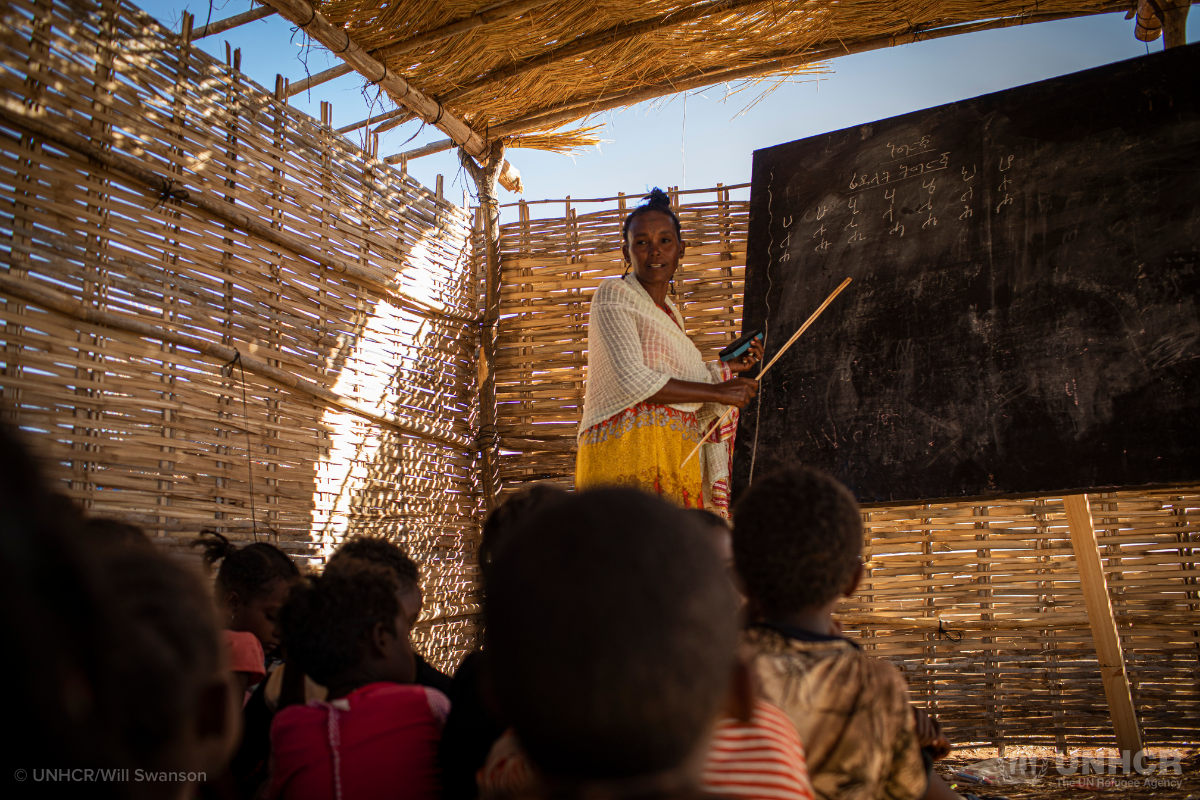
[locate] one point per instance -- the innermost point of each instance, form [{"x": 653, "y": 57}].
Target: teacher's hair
[{"x": 658, "y": 201}]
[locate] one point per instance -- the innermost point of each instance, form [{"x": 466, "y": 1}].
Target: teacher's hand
[
  {"x": 736, "y": 392},
  {"x": 747, "y": 361}
]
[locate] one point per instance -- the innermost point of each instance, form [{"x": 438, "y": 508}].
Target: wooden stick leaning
[{"x": 770, "y": 364}]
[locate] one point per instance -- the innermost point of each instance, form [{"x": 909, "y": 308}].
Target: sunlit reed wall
[{"x": 176, "y": 440}]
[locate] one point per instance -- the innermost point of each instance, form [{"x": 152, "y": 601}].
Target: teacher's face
[{"x": 653, "y": 249}]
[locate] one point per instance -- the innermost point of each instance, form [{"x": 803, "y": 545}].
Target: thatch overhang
[{"x": 532, "y": 66}]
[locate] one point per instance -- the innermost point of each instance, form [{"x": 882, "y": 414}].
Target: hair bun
[{"x": 658, "y": 199}]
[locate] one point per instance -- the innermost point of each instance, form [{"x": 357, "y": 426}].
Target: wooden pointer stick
[{"x": 770, "y": 363}]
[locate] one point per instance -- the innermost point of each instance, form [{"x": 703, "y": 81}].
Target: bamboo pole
[
  {"x": 484, "y": 177},
  {"x": 1103, "y": 624},
  {"x": 501, "y": 11},
  {"x": 17, "y": 115},
  {"x": 770, "y": 364},
  {"x": 54, "y": 300},
  {"x": 339, "y": 42},
  {"x": 229, "y": 23}
]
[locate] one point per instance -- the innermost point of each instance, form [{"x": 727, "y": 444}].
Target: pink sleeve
[
  {"x": 245, "y": 654},
  {"x": 439, "y": 704}
]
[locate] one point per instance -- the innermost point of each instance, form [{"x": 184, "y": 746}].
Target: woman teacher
[{"x": 650, "y": 396}]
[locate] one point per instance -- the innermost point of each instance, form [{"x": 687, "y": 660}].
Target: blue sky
[{"x": 707, "y": 140}]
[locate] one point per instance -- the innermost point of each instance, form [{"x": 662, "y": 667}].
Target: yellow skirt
[{"x": 642, "y": 447}]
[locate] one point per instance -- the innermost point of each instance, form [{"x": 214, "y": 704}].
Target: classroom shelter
[{"x": 220, "y": 313}]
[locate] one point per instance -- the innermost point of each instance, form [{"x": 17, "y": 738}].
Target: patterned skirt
[{"x": 642, "y": 447}]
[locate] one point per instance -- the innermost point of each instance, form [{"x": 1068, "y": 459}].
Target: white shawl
[{"x": 633, "y": 350}]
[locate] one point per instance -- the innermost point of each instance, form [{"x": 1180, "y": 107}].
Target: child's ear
[
  {"x": 380, "y": 639},
  {"x": 233, "y": 602},
  {"x": 855, "y": 580}
]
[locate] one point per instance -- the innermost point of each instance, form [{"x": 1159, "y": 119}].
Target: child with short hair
[
  {"x": 378, "y": 550},
  {"x": 377, "y": 734},
  {"x": 754, "y": 752},
  {"x": 797, "y": 544},
  {"x": 610, "y": 635}
]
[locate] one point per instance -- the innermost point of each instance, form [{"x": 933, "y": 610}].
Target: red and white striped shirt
[{"x": 762, "y": 759}]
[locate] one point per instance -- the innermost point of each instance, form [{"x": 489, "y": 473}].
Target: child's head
[
  {"x": 610, "y": 635},
  {"x": 252, "y": 584},
  {"x": 164, "y": 683},
  {"x": 377, "y": 550},
  {"x": 348, "y": 627},
  {"x": 507, "y": 516},
  {"x": 797, "y": 541},
  {"x": 120, "y": 662}
]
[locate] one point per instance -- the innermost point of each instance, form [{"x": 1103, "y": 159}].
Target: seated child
[
  {"x": 377, "y": 734},
  {"x": 120, "y": 665},
  {"x": 251, "y": 587},
  {"x": 379, "y": 550},
  {"x": 610, "y": 641},
  {"x": 797, "y": 543},
  {"x": 474, "y": 723},
  {"x": 754, "y": 752}
]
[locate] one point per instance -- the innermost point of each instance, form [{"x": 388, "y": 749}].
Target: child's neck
[
  {"x": 818, "y": 619},
  {"x": 353, "y": 680}
]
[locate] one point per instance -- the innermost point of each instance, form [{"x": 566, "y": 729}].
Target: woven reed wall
[
  {"x": 1001, "y": 575},
  {"x": 158, "y": 433}
]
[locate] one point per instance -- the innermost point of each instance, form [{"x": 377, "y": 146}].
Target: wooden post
[
  {"x": 1174, "y": 19},
  {"x": 486, "y": 177},
  {"x": 1103, "y": 623}
]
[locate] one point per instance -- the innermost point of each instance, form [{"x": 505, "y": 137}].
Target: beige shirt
[{"x": 852, "y": 712}]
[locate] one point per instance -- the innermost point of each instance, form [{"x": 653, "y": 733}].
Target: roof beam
[
  {"x": 222, "y": 25},
  {"x": 397, "y": 112},
  {"x": 586, "y": 106},
  {"x": 500, "y": 11},
  {"x": 338, "y": 41},
  {"x": 617, "y": 33}
]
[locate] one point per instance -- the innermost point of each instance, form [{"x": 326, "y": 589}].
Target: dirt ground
[{"x": 1053, "y": 786}]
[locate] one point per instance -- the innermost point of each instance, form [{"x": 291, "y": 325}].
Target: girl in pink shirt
[{"x": 376, "y": 736}]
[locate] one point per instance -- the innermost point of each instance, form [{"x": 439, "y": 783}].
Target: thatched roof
[{"x": 555, "y": 62}]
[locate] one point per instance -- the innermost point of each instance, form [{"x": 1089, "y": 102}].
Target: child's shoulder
[{"x": 835, "y": 656}]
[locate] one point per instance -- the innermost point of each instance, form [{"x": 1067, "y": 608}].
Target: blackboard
[{"x": 1023, "y": 314}]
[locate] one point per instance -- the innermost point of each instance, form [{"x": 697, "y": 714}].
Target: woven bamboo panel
[
  {"x": 163, "y": 435},
  {"x": 1001, "y": 575}
]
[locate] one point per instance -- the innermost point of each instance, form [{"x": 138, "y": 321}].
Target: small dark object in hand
[{"x": 740, "y": 347}]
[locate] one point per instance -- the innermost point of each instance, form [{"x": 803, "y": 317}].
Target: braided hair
[
  {"x": 658, "y": 201},
  {"x": 251, "y": 570}
]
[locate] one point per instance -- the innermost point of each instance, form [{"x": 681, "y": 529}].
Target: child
[
  {"x": 378, "y": 550},
  {"x": 117, "y": 664},
  {"x": 797, "y": 544},
  {"x": 251, "y": 587},
  {"x": 474, "y": 724},
  {"x": 754, "y": 752},
  {"x": 377, "y": 734},
  {"x": 610, "y": 637}
]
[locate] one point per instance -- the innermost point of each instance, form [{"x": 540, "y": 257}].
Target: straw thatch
[
  {"x": 341, "y": 287},
  {"x": 561, "y": 61},
  {"x": 980, "y": 604}
]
